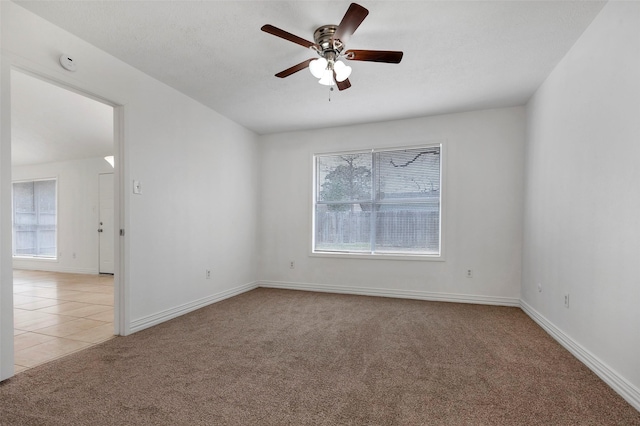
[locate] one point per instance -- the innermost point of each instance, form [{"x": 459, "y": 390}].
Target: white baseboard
[
  {"x": 402, "y": 294},
  {"x": 51, "y": 267},
  {"x": 157, "y": 318},
  {"x": 625, "y": 389}
]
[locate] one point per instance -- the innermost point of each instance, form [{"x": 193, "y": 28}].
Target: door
[{"x": 105, "y": 229}]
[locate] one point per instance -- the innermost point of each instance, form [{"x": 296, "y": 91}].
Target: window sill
[{"x": 380, "y": 256}]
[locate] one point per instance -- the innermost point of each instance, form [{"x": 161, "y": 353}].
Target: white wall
[
  {"x": 582, "y": 214},
  {"x": 483, "y": 162},
  {"x": 6, "y": 289},
  {"x": 78, "y": 214},
  {"x": 199, "y": 173}
]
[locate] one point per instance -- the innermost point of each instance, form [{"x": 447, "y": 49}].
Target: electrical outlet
[
  {"x": 292, "y": 265},
  {"x": 539, "y": 288},
  {"x": 208, "y": 274},
  {"x": 469, "y": 273},
  {"x": 566, "y": 300}
]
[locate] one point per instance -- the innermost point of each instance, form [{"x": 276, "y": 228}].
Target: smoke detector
[{"x": 67, "y": 63}]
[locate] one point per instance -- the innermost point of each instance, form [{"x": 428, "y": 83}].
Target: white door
[{"x": 105, "y": 229}]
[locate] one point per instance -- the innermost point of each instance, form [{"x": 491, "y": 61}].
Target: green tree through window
[{"x": 348, "y": 181}]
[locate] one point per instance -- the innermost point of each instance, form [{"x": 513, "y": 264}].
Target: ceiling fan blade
[
  {"x": 388, "y": 56},
  {"x": 294, "y": 69},
  {"x": 350, "y": 22},
  {"x": 286, "y": 35},
  {"x": 342, "y": 85}
]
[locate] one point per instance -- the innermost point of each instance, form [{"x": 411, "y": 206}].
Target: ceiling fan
[{"x": 330, "y": 41}]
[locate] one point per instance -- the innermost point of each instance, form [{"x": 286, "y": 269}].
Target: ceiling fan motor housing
[{"x": 330, "y": 48}]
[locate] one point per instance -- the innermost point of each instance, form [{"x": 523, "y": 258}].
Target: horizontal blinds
[
  {"x": 384, "y": 201},
  {"x": 34, "y": 218}
]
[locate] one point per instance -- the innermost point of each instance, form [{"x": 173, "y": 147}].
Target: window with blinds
[
  {"x": 34, "y": 218},
  {"x": 378, "y": 202}
]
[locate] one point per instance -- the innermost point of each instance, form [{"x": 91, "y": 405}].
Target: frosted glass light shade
[
  {"x": 342, "y": 71},
  {"x": 327, "y": 78},
  {"x": 317, "y": 67}
]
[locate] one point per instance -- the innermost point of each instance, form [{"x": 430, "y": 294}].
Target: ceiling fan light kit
[
  {"x": 330, "y": 41},
  {"x": 318, "y": 67},
  {"x": 342, "y": 71}
]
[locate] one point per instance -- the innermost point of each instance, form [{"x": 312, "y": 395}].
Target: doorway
[{"x": 65, "y": 134}]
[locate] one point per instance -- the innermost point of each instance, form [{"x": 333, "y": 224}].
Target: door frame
[{"x": 100, "y": 231}]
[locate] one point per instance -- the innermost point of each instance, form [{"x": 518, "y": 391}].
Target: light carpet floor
[{"x": 277, "y": 357}]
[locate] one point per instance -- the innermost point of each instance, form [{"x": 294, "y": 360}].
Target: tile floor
[{"x": 56, "y": 314}]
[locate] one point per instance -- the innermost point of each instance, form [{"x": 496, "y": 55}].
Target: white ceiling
[
  {"x": 458, "y": 55},
  {"x": 49, "y": 123}
]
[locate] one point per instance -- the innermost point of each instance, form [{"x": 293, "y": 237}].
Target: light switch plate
[{"x": 137, "y": 187}]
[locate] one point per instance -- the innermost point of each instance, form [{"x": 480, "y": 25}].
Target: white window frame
[
  {"x": 53, "y": 258},
  {"x": 378, "y": 255}
]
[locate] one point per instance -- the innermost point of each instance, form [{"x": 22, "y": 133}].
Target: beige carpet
[{"x": 274, "y": 357}]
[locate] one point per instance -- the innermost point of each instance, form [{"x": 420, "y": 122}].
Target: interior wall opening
[{"x": 63, "y": 220}]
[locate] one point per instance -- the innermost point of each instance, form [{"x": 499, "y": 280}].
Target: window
[
  {"x": 378, "y": 202},
  {"x": 34, "y": 218}
]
